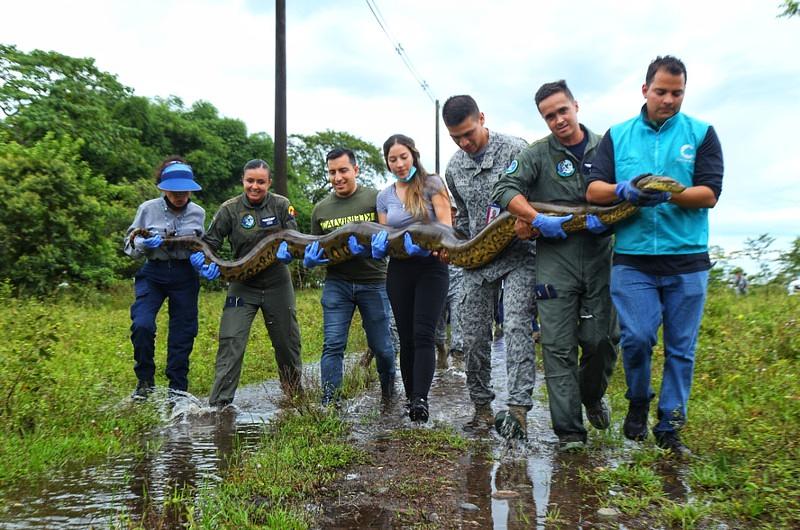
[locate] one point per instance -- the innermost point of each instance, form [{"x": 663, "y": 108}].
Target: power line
[{"x": 376, "y": 12}]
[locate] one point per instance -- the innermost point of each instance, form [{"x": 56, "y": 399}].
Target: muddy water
[
  {"x": 191, "y": 450},
  {"x": 528, "y": 485}
]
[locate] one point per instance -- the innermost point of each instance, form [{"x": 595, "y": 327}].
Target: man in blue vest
[{"x": 660, "y": 269}]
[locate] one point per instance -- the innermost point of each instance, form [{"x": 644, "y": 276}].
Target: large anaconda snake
[{"x": 462, "y": 252}]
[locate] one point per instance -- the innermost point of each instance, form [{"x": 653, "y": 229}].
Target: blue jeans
[
  {"x": 339, "y": 301},
  {"x": 155, "y": 282},
  {"x": 645, "y": 301}
]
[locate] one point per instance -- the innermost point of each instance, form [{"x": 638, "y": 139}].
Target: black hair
[
  {"x": 458, "y": 108},
  {"x": 256, "y": 163},
  {"x": 336, "y": 152},
  {"x": 671, "y": 64},
  {"x": 548, "y": 89}
]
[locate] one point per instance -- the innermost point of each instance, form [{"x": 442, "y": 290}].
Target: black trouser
[{"x": 417, "y": 289}]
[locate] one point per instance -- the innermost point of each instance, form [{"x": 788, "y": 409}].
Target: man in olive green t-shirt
[{"x": 359, "y": 282}]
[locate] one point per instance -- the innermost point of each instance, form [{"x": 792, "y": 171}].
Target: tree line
[{"x": 77, "y": 154}]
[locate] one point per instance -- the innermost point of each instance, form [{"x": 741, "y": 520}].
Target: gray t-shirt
[{"x": 390, "y": 204}]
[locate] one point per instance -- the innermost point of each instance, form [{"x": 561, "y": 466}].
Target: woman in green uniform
[{"x": 245, "y": 220}]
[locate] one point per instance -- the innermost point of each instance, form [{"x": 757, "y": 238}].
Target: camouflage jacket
[{"x": 471, "y": 185}]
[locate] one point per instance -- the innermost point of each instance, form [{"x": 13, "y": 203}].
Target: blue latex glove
[
  {"x": 153, "y": 242},
  {"x": 380, "y": 244},
  {"x": 197, "y": 259},
  {"x": 356, "y": 248},
  {"x": 413, "y": 249},
  {"x": 210, "y": 272},
  {"x": 628, "y": 191},
  {"x": 313, "y": 255},
  {"x": 283, "y": 255},
  {"x": 594, "y": 224},
  {"x": 550, "y": 225}
]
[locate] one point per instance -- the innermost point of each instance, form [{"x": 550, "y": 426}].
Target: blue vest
[{"x": 669, "y": 150}]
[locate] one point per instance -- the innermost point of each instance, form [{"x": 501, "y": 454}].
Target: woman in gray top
[
  {"x": 167, "y": 273},
  {"x": 417, "y": 286}
]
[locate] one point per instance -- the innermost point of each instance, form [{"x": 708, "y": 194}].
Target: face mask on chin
[{"x": 411, "y": 173}]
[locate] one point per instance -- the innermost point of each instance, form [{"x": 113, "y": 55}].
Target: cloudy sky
[{"x": 344, "y": 73}]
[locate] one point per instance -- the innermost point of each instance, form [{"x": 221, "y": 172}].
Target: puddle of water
[
  {"x": 192, "y": 449},
  {"x": 538, "y": 487},
  {"x": 532, "y": 486}
]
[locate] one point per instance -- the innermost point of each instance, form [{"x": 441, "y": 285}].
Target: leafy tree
[
  {"x": 790, "y": 262},
  {"x": 59, "y": 220},
  {"x": 47, "y": 92},
  {"x": 790, "y": 8},
  {"x": 307, "y": 154}
]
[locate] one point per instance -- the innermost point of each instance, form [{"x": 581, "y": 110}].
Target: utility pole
[
  {"x": 279, "y": 177},
  {"x": 437, "y": 137}
]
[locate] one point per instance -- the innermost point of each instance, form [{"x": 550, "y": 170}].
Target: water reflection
[{"x": 193, "y": 449}]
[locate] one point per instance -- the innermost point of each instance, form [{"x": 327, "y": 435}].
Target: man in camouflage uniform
[
  {"x": 573, "y": 272},
  {"x": 471, "y": 174}
]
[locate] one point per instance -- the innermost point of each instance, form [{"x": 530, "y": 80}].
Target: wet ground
[
  {"x": 490, "y": 485},
  {"x": 190, "y": 450}
]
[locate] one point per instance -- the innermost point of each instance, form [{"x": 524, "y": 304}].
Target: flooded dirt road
[{"x": 491, "y": 485}]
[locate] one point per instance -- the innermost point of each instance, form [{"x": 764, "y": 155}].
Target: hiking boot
[
  {"x": 441, "y": 355},
  {"x": 599, "y": 414},
  {"x": 482, "y": 419},
  {"x": 571, "y": 443},
  {"x": 635, "y": 426},
  {"x": 419, "y": 410},
  {"x": 671, "y": 441},
  {"x": 512, "y": 424},
  {"x": 143, "y": 390}
]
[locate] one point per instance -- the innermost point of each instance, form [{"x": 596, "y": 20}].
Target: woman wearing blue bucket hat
[{"x": 166, "y": 274}]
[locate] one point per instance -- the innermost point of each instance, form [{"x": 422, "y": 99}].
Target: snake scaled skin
[{"x": 462, "y": 252}]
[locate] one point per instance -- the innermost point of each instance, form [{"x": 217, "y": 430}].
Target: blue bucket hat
[{"x": 178, "y": 177}]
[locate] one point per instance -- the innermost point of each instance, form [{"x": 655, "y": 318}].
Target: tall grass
[
  {"x": 744, "y": 412},
  {"x": 66, "y": 371}
]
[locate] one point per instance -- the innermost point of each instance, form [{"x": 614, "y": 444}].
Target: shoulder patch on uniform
[
  {"x": 512, "y": 167},
  {"x": 292, "y": 211}
]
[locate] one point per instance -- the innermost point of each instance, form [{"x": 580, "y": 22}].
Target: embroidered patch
[
  {"x": 292, "y": 211},
  {"x": 266, "y": 222},
  {"x": 512, "y": 167},
  {"x": 565, "y": 168},
  {"x": 248, "y": 221}
]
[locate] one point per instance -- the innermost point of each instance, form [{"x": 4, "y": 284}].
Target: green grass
[
  {"x": 66, "y": 371},
  {"x": 744, "y": 415}
]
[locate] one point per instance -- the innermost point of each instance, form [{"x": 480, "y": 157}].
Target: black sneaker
[
  {"x": 671, "y": 441},
  {"x": 419, "y": 410},
  {"x": 599, "y": 414},
  {"x": 143, "y": 390},
  {"x": 635, "y": 426}
]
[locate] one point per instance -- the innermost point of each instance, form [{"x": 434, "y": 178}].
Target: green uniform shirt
[
  {"x": 546, "y": 171},
  {"x": 245, "y": 225},
  {"x": 333, "y": 212}
]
